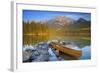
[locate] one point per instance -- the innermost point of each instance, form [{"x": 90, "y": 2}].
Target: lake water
[{"x": 86, "y": 53}]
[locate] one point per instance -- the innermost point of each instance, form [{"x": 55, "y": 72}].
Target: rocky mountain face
[
  {"x": 81, "y": 20},
  {"x": 81, "y": 23},
  {"x": 60, "y": 21},
  {"x": 66, "y": 22}
]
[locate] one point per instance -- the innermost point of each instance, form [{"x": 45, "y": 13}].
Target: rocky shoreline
[
  {"x": 37, "y": 53},
  {"x": 42, "y": 52}
]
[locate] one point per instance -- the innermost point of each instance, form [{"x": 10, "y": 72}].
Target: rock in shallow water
[
  {"x": 40, "y": 58},
  {"x": 40, "y": 53},
  {"x": 26, "y": 56}
]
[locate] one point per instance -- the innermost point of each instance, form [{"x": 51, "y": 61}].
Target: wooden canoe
[{"x": 69, "y": 51}]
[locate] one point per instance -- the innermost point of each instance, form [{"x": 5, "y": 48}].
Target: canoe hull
[{"x": 66, "y": 50}]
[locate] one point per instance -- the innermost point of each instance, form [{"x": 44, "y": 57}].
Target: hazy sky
[{"x": 29, "y": 15}]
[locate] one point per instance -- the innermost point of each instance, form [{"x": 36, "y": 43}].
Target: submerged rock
[
  {"x": 52, "y": 57},
  {"x": 42, "y": 57},
  {"x": 26, "y": 56},
  {"x": 40, "y": 53}
]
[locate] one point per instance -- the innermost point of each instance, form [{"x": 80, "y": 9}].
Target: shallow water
[{"x": 86, "y": 53}]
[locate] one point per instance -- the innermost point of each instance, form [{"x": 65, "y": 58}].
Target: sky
[{"x": 36, "y": 15}]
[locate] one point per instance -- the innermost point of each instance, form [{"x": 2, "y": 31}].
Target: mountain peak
[
  {"x": 63, "y": 20},
  {"x": 60, "y": 21},
  {"x": 81, "y": 20}
]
